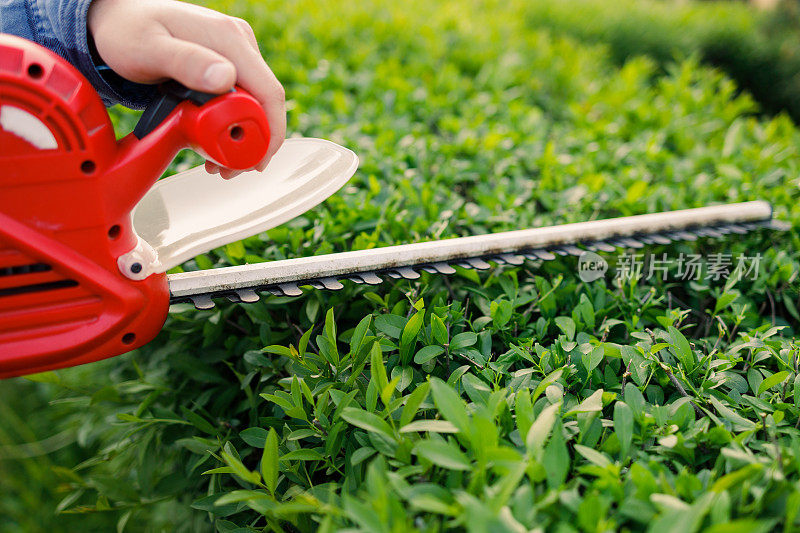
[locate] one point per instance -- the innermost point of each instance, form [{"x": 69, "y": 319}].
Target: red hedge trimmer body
[{"x": 66, "y": 196}]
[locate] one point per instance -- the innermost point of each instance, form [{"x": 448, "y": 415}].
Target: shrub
[
  {"x": 516, "y": 399},
  {"x": 760, "y": 50}
]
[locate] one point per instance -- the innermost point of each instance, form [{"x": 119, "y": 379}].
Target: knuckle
[
  {"x": 279, "y": 94},
  {"x": 225, "y": 24},
  {"x": 244, "y": 27},
  {"x": 233, "y": 25}
]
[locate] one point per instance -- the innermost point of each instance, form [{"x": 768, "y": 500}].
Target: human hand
[{"x": 148, "y": 41}]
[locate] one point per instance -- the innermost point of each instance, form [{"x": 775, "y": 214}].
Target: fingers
[
  {"x": 225, "y": 173},
  {"x": 233, "y": 39},
  {"x": 192, "y": 64},
  {"x": 202, "y": 49}
]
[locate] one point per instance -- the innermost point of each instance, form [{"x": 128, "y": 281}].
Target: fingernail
[{"x": 216, "y": 76}]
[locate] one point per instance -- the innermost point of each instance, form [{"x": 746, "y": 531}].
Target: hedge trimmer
[{"x": 87, "y": 233}]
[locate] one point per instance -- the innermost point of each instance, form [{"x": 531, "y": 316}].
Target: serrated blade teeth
[
  {"x": 709, "y": 232},
  {"x": 370, "y": 278},
  {"x": 284, "y": 278},
  {"x": 604, "y": 246},
  {"x": 736, "y": 228},
  {"x": 512, "y": 259},
  {"x": 443, "y": 268},
  {"x": 540, "y": 254},
  {"x": 247, "y": 296},
  {"x": 724, "y": 230},
  {"x": 202, "y": 302},
  {"x": 628, "y": 242},
  {"x": 573, "y": 250},
  {"x": 658, "y": 238},
  {"x": 685, "y": 236},
  {"x": 407, "y": 273},
  {"x": 290, "y": 289},
  {"x": 478, "y": 263}
]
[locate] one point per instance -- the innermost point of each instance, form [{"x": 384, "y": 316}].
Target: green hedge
[
  {"x": 512, "y": 400},
  {"x": 760, "y": 50}
]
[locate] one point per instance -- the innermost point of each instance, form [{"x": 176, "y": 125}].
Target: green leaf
[
  {"x": 411, "y": 329},
  {"x": 438, "y": 329},
  {"x": 361, "y": 455},
  {"x": 743, "y": 525},
  {"x": 239, "y": 470},
  {"x": 390, "y": 325},
  {"x": 330, "y": 335},
  {"x": 302, "y": 455},
  {"x": 254, "y": 436},
  {"x": 312, "y": 309},
  {"x": 523, "y": 411},
  {"x": 738, "y": 421},
  {"x": 546, "y": 382},
  {"x": 567, "y": 325},
  {"x": 771, "y": 381},
  {"x": 500, "y": 311},
  {"x": 593, "y": 456},
  {"x": 476, "y": 388},
  {"x": 433, "y": 426},
  {"x": 442, "y": 454},
  {"x": 450, "y": 404},
  {"x": 724, "y": 301},
  {"x": 586, "y": 310},
  {"x": 359, "y": 333},
  {"x": 198, "y": 421},
  {"x": 728, "y": 481},
  {"x": 681, "y": 349},
  {"x": 591, "y": 404},
  {"x": 797, "y": 391},
  {"x": 463, "y": 340},
  {"x": 235, "y": 250},
  {"x": 377, "y": 370},
  {"x": 367, "y": 421},
  {"x": 427, "y": 353},
  {"x": 556, "y": 459},
  {"x": 593, "y": 358},
  {"x": 540, "y": 429},
  {"x": 623, "y": 426},
  {"x": 636, "y": 363},
  {"x": 278, "y": 350},
  {"x": 240, "y": 496},
  {"x": 413, "y": 402},
  {"x": 269, "y": 461}
]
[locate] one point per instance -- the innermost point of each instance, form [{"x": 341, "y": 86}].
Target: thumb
[{"x": 193, "y": 65}]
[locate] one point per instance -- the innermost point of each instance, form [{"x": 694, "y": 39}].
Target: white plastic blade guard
[{"x": 193, "y": 212}]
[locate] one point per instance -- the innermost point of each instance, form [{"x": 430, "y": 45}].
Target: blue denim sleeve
[{"x": 60, "y": 25}]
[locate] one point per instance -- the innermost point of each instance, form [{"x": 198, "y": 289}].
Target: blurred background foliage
[{"x": 468, "y": 117}]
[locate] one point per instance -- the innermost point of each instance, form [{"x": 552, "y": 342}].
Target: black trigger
[{"x": 170, "y": 94}]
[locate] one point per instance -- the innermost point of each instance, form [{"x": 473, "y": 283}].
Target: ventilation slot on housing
[
  {"x": 30, "y": 278},
  {"x": 38, "y": 287},
  {"x": 25, "y": 269}
]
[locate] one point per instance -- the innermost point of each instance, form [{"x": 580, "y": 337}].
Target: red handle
[
  {"x": 231, "y": 130},
  {"x": 67, "y": 189}
]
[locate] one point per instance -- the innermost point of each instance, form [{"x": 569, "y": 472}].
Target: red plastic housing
[{"x": 65, "y": 204}]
